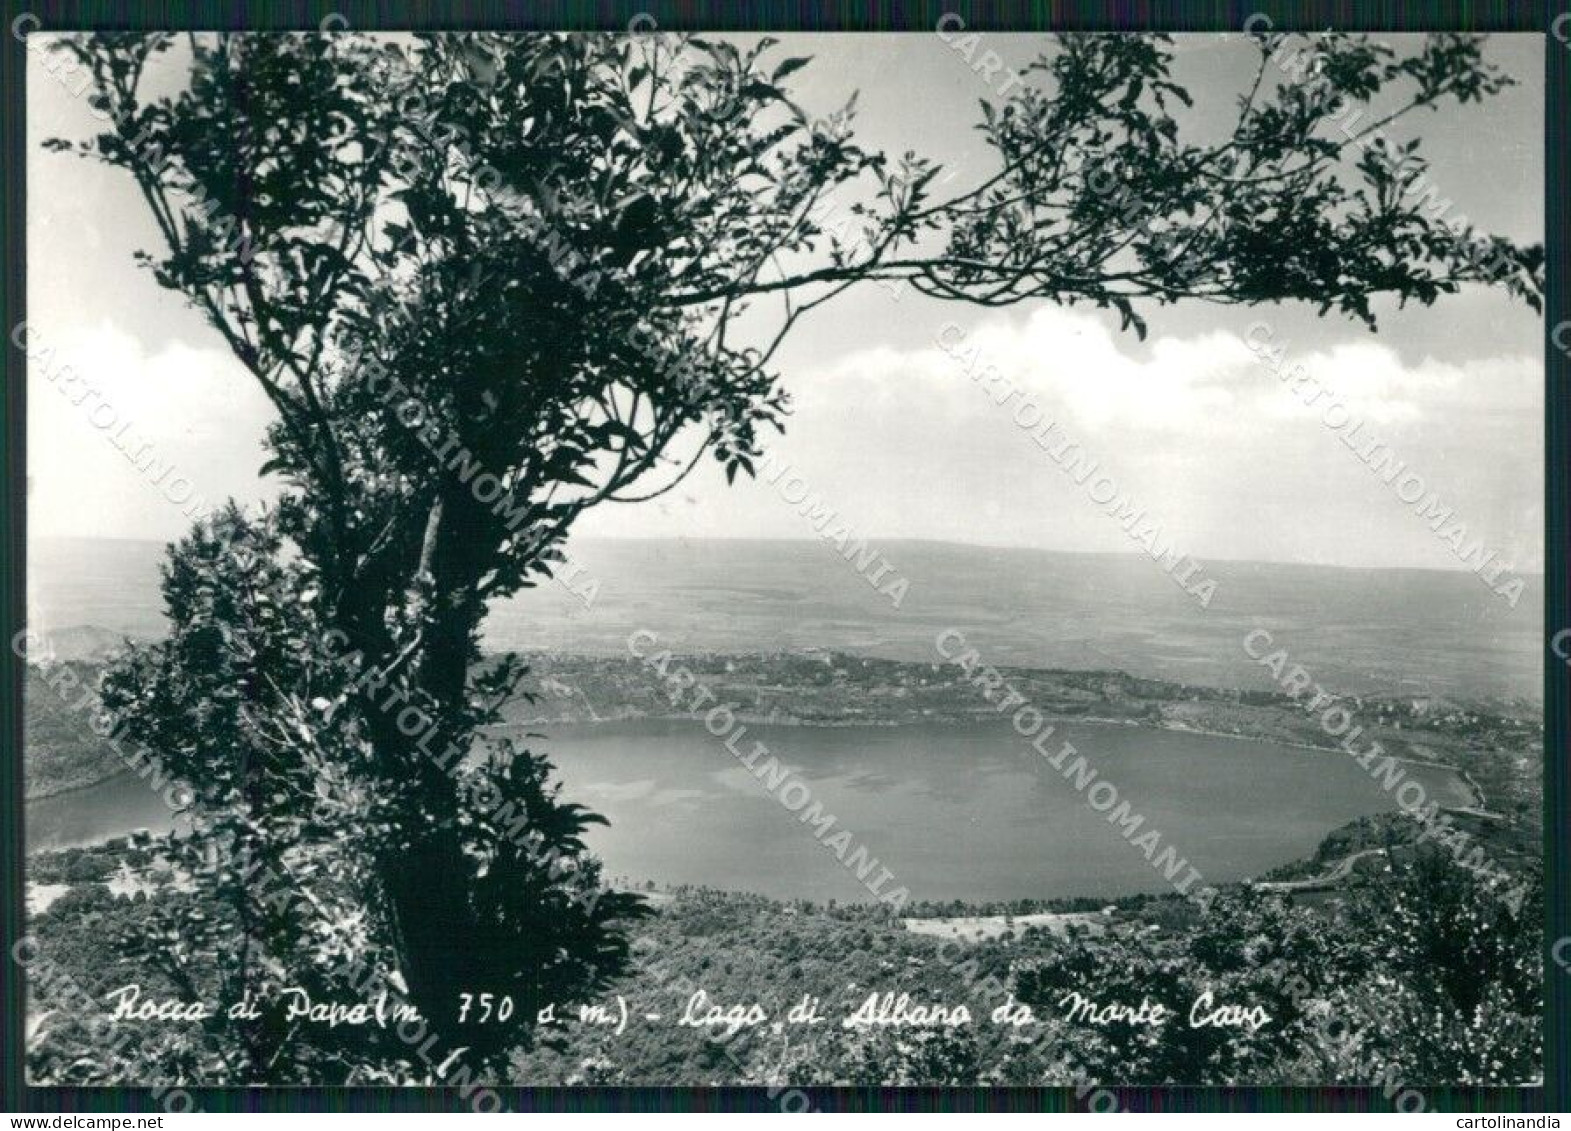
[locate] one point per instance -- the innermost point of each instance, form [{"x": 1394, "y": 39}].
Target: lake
[{"x": 955, "y": 811}]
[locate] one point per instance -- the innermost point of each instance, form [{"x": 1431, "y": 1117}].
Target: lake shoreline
[
  {"x": 1020, "y": 833},
  {"x": 63, "y": 791},
  {"x": 1479, "y": 799}
]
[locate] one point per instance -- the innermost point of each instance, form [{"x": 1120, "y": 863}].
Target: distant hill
[
  {"x": 85, "y": 643},
  {"x": 63, "y": 753},
  {"x": 1390, "y": 631}
]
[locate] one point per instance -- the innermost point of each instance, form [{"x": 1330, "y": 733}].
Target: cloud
[
  {"x": 910, "y": 443},
  {"x": 905, "y": 443},
  {"x": 194, "y": 409}
]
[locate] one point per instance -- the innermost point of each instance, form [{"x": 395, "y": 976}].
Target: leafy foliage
[
  {"x": 1099, "y": 198},
  {"x": 1418, "y": 977},
  {"x": 297, "y": 817},
  {"x": 1426, "y": 977}
]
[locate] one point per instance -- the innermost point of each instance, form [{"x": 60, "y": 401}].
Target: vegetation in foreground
[{"x": 1413, "y": 973}]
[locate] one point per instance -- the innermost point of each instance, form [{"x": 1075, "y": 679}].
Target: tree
[
  {"x": 1425, "y": 976},
  {"x": 1464, "y": 1001},
  {"x": 489, "y": 282}
]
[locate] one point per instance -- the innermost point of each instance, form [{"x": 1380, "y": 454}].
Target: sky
[{"x": 887, "y": 429}]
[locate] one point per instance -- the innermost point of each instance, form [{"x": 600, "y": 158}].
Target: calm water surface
[{"x": 954, "y": 811}]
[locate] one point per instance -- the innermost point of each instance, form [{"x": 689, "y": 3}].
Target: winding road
[{"x": 1339, "y": 872}]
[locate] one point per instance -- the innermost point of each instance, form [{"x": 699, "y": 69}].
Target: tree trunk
[{"x": 428, "y": 885}]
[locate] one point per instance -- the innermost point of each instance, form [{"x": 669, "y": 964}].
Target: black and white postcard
[{"x": 655, "y": 558}]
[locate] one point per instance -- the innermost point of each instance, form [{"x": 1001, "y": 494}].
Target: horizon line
[{"x": 946, "y": 542}]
